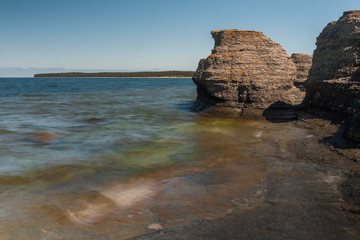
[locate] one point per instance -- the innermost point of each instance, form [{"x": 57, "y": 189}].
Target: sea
[{"x": 117, "y": 158}]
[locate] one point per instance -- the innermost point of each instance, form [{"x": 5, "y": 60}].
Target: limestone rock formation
[
  {"x": 246, "y": 74},
  {"x": 334, "y": 78},
  {"x": 303, "y": 63}
]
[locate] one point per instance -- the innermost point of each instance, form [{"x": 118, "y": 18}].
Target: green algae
[
  {"x": 47, "y": 177},
  {"x": 13, "y": 180}
]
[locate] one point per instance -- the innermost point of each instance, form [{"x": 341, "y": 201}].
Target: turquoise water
[{"x": 106, "y": 158}]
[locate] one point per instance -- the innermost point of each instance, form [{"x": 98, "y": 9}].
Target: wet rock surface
[
  {"x": 246, "y": 73},
  {"x": 312, "y": 193},
  {"x": 334, "y": 78}
]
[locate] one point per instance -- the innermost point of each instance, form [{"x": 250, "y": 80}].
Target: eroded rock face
[
  {"x": 334, "y": 78},
  {"x": 246, "y": 74},
  {"x": 303, "y": 63}
]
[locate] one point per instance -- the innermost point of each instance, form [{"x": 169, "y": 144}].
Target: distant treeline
[{"x": 118, "y": 74}]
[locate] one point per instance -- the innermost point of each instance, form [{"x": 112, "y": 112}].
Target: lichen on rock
[{"x": 245, "y": 74}]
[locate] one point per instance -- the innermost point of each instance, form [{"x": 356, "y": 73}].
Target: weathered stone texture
[
  {"x": 334, "y": 78},
  {"x": 303, "y": 63},
  {"x": 246, "y": 73}
]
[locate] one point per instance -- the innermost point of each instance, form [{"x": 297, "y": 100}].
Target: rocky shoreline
[
  {"x": 250, "y": 76},
  {"x": 288, "y": 205}
]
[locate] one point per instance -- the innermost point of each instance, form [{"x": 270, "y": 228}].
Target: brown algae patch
[
  {"x": 13, "y": 180},
  {"x": 47, "y": 137}
]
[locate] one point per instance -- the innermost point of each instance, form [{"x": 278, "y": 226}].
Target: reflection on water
[{"x": 105, "y": 158}]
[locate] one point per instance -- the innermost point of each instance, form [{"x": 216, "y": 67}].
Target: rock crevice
[{"x": 303, "y": 63}]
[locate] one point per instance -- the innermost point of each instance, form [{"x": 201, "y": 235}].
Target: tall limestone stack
[
  {"x": 303, "y": 64},
  {"x": 246, "y": 74},
  {"x": 334, "y": 78}
]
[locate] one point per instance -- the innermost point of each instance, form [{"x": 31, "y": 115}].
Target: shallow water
[{"x": 106, "y": 158}]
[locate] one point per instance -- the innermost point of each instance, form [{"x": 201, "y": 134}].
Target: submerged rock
[
  {"x": 246, "y": 73},
  {"x": 334, "y": 78},
  {"x": 303, "y": 63},
  {"x": 47, "y": 137}
]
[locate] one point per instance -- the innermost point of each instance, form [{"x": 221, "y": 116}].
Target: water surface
[{"x": 105, "y": 158}]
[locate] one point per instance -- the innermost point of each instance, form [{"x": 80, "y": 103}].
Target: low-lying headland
[{"x": 153, "y": 74}]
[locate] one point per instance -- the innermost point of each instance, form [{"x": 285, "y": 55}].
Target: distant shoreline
[
  {"x": 107, "y": 77},
  {"x": 162, "y": 74}
]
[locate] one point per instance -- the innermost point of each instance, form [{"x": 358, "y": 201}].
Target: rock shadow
[
  {"x": 340, "y": 141},
  {"x": 333, "y": 128},
  {"x": 356, "y": 76},
  {"x": 204, "y": 101},
  {"x": 186, "y": 106},
  {"x": 280, "y": 112},
  {"x": 337, "y": 140}
]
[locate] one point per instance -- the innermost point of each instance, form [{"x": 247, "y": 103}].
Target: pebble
[{"x": 155, "y": 226}]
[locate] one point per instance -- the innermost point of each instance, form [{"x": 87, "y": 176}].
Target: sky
[{"x": 146, "y": 35}]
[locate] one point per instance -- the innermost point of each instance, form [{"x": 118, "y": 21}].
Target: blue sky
[{"x": 134, "y": 35}]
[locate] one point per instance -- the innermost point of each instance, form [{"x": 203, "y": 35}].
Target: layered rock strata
[
  {"x": 334, "y": 78},
  {"x": 246, "y": 74},
  {"x": 303, "y": 63}
]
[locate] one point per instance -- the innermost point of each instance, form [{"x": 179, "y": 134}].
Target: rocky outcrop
[
  {"x": 334, "y": 78},
  {"x": 303, "y": 63},
  {"x": 246, "y": 74}
]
